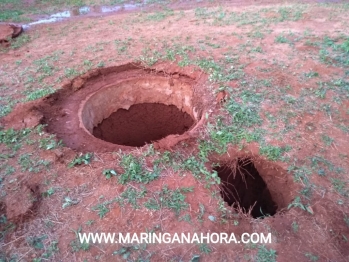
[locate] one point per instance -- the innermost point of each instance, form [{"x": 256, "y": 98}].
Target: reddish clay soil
[
  {"x": 244, "y": 188},
  {"x": 143, "y": 124}
]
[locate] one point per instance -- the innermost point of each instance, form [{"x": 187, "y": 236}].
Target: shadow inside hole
[
  {"x": 142, "y": 124},
  {"x": 243, "y": 186}
]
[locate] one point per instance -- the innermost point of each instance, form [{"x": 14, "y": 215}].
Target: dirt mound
[
  {"x": 23, "y": 203},
  {"x": 8, "y": 31}
]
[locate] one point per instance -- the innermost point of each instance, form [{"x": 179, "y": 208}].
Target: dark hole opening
[
  {"x": 142, "y": 124},
  {"x": 243, "y": 187}
]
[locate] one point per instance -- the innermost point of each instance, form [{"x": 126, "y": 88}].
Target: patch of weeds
[
  {"x": 167, "y": 198},
  {"x": 159, "y": 16},
  {"x": 327, "y": 140},
  {"x": 265, "y": 255},
  {"x": 335, "y": 51},
  {"x": 340, "y": 186},
  {"x": 130, "y": 196},
  {"x": 49, "y": 143},
  {"x": 11, "y": 137},
  {"x": 321, "y": 91},
  {"x": 136, "y": 251},
  {"x": 6, "y": 227},
  {"x": 39, "y": 93},
  {"x": 70, "y": 72},
  {"x": 50, "y": 250},
  {"x": 20, "y": 41},
  {"x": 218, "y": 73},
  {"x": 295, "y": 226},
  {"x": 243, "y": 114},
  {"x": 36, "y": 242},
  {"x": 32, "y": 165},
  {"x": 102, "y": 208},
  {"x": 290, "y": 14},
  {"x": 186, "y": 218},
  {"x": 281, "y": 39},
  {"x": 200, "y": 216},
  {"x": 122, "y": 45},
  {"x": 298, "y": 203},
  {"x": 133, "y": 171},
  {"x": 311, "y": 257},
  {"x": 81, "y": 159},
  {"x": 273, "y": 153},
  {"x": 49, "y": 192},
  {"x": 301, "y": 174},
  {"x": 76, "y": 245},
  {"x": 108, "y": 173},
  {"x": 311, "y": 74},
  {"x": 11, "y": 15},
  {"x": 204, "y": 248},
  {"x": 149, "y": 56},
  {"x": 199, "y": 171}
]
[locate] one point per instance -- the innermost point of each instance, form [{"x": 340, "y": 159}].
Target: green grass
[
  {"x": 273, "y": 153},
  {"x": 171, "y": 199},
  {"x": 130, "y": 196},
  {"x": 266, "y": 255},
  {"x": 81, "y": 159},
  {"x": 32, "y": 164},
  {"x": 11, "y": 15},
  {"x": 133, "y": 170}
]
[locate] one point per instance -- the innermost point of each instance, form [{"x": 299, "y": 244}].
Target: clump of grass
[
  {"x": 81, "y": 159},
  {"x": 133, "y": 171},
  {"x": 266, "y": 255},
  {"x": 167, "y": 198}
]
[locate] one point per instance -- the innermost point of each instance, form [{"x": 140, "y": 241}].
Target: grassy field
[{"x": 274, "y": 85}]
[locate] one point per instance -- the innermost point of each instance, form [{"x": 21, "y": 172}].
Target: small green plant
[
  {"x": 298, "y": 203},
  {"x": 49, "y": 192},
  {"x": 133, "y": 171},
  {"x": 295, "y": 226},
  {"x": 273, "y": 153},
  {"x": 327, "y": 140},
  {"x": 136, "y": 250},
  {"x": 346, "y": 220},
  {"x": 281, "y": 39},
  {"x": 108, "y": 173},
  {"x": 311, "y": 257},
  {"x": 6, "y": 227},
  {"x": 130, "y": 195},
  {"x": 81, "y": 159},
  {"x": 167, "y": 198},
  {"x": 36, "y": 242},
  {"x": 102, "y": 209},
  {"x": 265, "y": 255},
  {"x": 340, "y": 186},
  {"x": 204, "y": 248},
  {"x": 186, "y": 218},
  {"x": 49, "y": 143},
  {"x": 76, "y": 245},
  {"x": 201, "y": 213}
]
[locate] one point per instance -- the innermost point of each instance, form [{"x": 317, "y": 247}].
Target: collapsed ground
[{"x": 273, "y": 85}]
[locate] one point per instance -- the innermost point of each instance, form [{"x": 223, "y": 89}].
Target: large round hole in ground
[
  {"x": 142, "y": 124},
  {"x": 242, "y": 186}
]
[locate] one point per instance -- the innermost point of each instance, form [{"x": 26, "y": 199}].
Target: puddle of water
[{"x": 85, "y": 10}]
